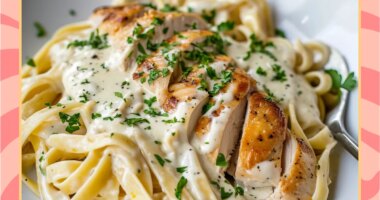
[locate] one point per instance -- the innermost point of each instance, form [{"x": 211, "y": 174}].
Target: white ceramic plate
[{"x": 333, "y": 22}]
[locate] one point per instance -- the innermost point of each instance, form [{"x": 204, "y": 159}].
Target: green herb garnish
[
  {"x": 259, "y": 46},
  {"x": 226, "y": 26},
  {"x": 95, "y": 115},
  {"x": 160, "y": 160},
  {"x": 260, "y": 71},
  {"x": 41, "y": 32},
  {"x": 135, "y": 121},
  {"x": 279, "y": 73},
  {"x": 207, "y": 107},
  {"x": 280, "y": 33},
  {"x": 181, "y": 169},
  {"x": 224, "y": 194},
  {"x": 72, "y": 120},
  {"x": 181, "y": 184},
  {"x": 168, "y": 8},
  {"x": 31, "y": 62},
  {"x": 174, "y": 120},
  {"x": 239, "y": 191},
  {"x": 221, "y": 160},
  {"x": 95, "y": 41},
  {"x": 209, "y": 15}
]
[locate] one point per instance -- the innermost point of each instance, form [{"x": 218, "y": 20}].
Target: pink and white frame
[{"x": 369, "y": 86}]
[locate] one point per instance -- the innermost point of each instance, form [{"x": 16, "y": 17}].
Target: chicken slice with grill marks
[
  {"x": 168, "y": 63},
  {"x": 218, "y": 130},
  {"x": 137, "y": 31},
  {"x": 260, "y": 149},
  {"x": 299, "y": 177}
]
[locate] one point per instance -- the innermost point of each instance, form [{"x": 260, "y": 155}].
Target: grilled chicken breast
[
  {"x": 299, "y": 174},
  {"x": 261, "y": 144},
  {"x": 162, "y": 67},
  {"x": 218, "y": 130}
]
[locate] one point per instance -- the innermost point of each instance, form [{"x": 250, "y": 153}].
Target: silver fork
[{"x": 335, "y": 118}]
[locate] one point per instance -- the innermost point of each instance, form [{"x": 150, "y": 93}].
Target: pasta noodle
[{"x": 93, "y": 128}]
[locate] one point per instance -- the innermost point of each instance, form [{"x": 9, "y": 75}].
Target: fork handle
[{"x": 348, "y": 142}]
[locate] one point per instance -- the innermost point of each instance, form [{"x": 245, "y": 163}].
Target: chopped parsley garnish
[
  {"x": 349, "y": 83},
  {"x": 31, "y": 62},
  {"x": 138, "y": 30},
  {"x": 226, "y": 77},
  {"x": 140, "y": 58},
  {"x": 203, "y": 85},
  {"x": 95, "y": 41},
  {"x": 270, "y": 96},
  {"x": 207, "y": 107},
  {"x": 48, "y": 104},
  {"x": 279, "y": 73},
  {"x": 211, "y": 73},
  {"x": 155, "y": 74},
  {"x": 135, "y": 121},
  {"x": 165, "y": 30},
  {"x": 150, "y": 5},
  {"x": 119, "y": 94},
  {"x": 209, "y": 15},
  {"x": 181, "y": 169},
  {"x": 226, "y": 26},
  {"x": 150, "y": 101},
  {"x": 151, "y": 46},
  {"x": 221, "y": 160},
  {"x": 95, "y": 115},
  {"x": 72, "y": 120},
  {"x": 152, "y": 111},
  {"x": 72, "y": 12},
  {"x": 85, "y": 81},
  {"x": 160, "y": 160},
  {"x": 41, "y": 32},
  {"x": 239, "y": 191},
  {"x": 168, "y": 8},
  {"x": 280, "y": 33},
  {"x": 42, "y": 158},
  {"x": 174, "y": 120},
  {"x": 141, "y": 48},
  {"x": 181, "y": 184},
  {"x": 157, "y": 21},
  {"x": 224, "y": 194},
  {"x": 129, "y": 40},
  {"x": 260, "y": 71},
  {"x": 259, "y": 46},
  {"x": 84, "y": 98},
  {"x": 157, "y": 142}
]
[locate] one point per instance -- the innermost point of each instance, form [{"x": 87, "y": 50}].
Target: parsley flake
[
  {"x": 181, "y": 184},
  {"x": 41, "y": 32},
  {"x": 72, "y": 120},
  {"x": 221, "y": 160}
]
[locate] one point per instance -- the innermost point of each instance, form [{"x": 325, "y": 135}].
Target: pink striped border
[
  {"x": 369, "y": 168},
  {"x": 9, "y": 85}
]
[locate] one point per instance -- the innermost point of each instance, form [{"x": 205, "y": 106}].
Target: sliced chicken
[
  {"x": 261, "y": 144},
  {"x": 138, "y": 30},
  {"x": 218, "y": 130},
  {"x": 113, "y": 20},
  {"x": 299, "y": 177},
  {"x": 162, "y": 68},
  {"x": 187, "y": 92}
]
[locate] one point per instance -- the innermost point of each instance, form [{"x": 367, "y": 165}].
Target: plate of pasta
[{"x": 185, "y": 99}]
